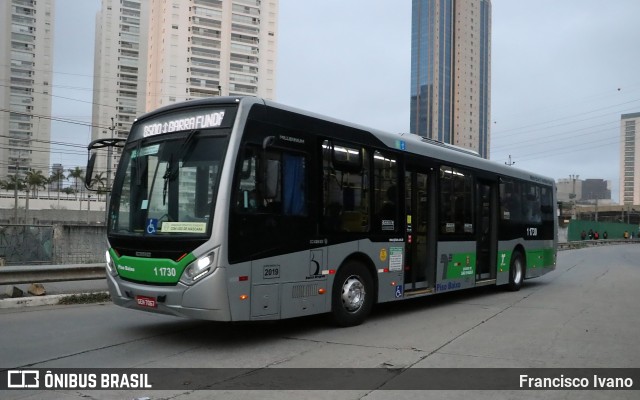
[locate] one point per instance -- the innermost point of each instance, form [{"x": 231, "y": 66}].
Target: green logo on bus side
[
  {"x": 461, "y": 265},
  {"x": 151, "y": 270}
]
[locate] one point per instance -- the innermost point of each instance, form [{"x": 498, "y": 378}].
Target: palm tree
[
  {"x": 10, "y": 184},
  {"x": 14, "y": 183},
  {"x": 57, "y": 176},
  {"x": 33, "y": 180},
  {"x": 68, "y": 191},
  {"x": 77, "y": 174},
  {"x": 101, "y": 181}
]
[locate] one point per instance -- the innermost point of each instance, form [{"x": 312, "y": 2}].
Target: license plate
[{"x": 144, "y": 301}]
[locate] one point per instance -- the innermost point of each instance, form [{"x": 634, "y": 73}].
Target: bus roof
[{"x": 401, "y": 142}]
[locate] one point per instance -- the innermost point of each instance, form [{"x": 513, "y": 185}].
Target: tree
[
  {"x": 77, "y": 174},
  {"x": 10, "y": 184},
  {"x": 68, "y": 191},
  {"x": 57, "y": 176},
  {"x": 35, "y": 180},
  {"x": 14, "y": 183},
  {"x": 100, "y": 181}
]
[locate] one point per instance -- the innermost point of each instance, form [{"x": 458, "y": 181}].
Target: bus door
[
  {"x": 487, "y": 230},
  {"x": 419, "y": 273}
]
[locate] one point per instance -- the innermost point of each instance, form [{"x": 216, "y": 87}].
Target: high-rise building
[
  {"x": 120, "y": 71},
  {"x": 450, "y": 72},
  {"x": 211, "y": 48},
  {"x": 596, "y": 189},
  {"x": 26, "y": 57},
  {"x": 150, "y": 53},
  {"x": 629, "y": 168}
]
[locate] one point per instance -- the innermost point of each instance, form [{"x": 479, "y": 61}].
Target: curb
[{"x": 35, "y": 301}]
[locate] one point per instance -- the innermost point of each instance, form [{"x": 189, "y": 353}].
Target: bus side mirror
[{"x": 90, "y": 165}]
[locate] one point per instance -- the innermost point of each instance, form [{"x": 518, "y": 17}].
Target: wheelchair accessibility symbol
[
  {"x": 152, "y": 226},
  {"x": 398, "y": 291}
]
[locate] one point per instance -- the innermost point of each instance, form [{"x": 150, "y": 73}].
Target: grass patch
[{"x": 85, "y": 298}]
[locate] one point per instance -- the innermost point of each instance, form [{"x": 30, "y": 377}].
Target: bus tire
[
  {"x": 352, "y": 294},
  {"x": 516, "y": 271}
]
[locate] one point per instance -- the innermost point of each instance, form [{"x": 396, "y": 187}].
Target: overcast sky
[{"x": 562, "y": 74}]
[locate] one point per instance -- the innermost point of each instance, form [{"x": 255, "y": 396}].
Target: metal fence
[{"x": 26, "y": 244}]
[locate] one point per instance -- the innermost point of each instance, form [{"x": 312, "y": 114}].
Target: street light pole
[
  {"x": 15, "y": 188},
  {"x": 573, "y": 193}
]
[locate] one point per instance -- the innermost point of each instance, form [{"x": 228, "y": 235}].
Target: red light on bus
[
  {"x": 322, "y": 291},
  {"x": 393, "y": 283},
  {"x": 244, "y": 296},
  {"x": 243, "y": 278}
]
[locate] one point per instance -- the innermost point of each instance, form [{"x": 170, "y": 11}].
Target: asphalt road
[{"x": 584, "y": 314}]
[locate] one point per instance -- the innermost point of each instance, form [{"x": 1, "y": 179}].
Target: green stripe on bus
[
  {"x": 540, "y": 258},
  {"x": 152, "y": 270}
]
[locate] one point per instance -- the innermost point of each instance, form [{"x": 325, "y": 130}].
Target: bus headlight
[
  {"x": 199, "y": 268},
  {"x": 111, "y": 266}
]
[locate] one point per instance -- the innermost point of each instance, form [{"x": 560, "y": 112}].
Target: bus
[{"x": 243, "y": 209}]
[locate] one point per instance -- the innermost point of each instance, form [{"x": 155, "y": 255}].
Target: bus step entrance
[{"x": 415, "y": 292}]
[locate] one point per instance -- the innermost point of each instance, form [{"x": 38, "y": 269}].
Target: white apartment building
[
  {"x": 26, "y": 58},
  {"x": 150, "y": 53},
  {"x": 119, "y": 72},
  {"x": 629, "y": 163},
  {"x": 211, "y": 48}
]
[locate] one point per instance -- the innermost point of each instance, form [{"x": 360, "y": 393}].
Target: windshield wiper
[
  {"x": 171, "y": 172},
  {"x": 138, "y": 164},
  {"x": 186, "y": 146},
  {"x": 167, "y": 176}
]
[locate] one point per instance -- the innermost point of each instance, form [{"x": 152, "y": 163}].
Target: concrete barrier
[
  {"x": 590, "y": 243},
  {"x": 15, "y": 275}
]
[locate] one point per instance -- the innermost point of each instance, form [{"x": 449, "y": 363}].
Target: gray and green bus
[{"x": 242, "y": 209}]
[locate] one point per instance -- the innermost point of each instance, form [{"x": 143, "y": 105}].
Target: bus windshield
[{"x": 167, "y": 187}]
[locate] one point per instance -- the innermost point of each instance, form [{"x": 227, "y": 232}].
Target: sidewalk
[{"x": 54, "y": 292}]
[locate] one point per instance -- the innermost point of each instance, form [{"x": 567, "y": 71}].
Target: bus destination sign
[{"x": 199, "y": 121}]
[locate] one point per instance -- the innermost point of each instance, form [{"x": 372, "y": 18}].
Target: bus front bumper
[{"x": 206, "y": 300}]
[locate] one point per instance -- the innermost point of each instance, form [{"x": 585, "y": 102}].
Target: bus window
[
  {"x": 294, "y": 185},
  {"x": 546, "y": 201},
  {"x": 284, "y": 189},
  {"x": 247, "y": 200},
  {"x": 385, "y": 176},
  {"x": 345, "y": 195},
  {"x": 456, "y": 202},
  {"x": 531, "y": 205},
  {"x": 510, "y": 201}
]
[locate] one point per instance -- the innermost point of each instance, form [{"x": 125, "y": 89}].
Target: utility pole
[
  {"x": 108, "y": 187},
  {"x": 509, "y": 163},
  {"x": 573, "y": 193},
  {"x": 15, "y": 191},
  {"x": 15, "y": 188}
]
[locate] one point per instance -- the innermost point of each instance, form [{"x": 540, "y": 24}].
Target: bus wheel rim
[
  {"x": 353, "y": 294},
  {"x": 518, "y": 272}
]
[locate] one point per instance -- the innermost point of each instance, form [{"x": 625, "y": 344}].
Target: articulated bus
[{"x": 242, "y": 209}]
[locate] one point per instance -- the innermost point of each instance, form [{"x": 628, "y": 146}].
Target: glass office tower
[{"x": 450, "y": 72}]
